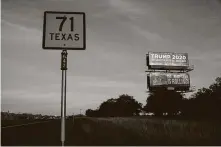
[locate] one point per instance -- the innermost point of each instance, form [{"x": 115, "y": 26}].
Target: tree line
[
  {"x": 125, "y": 105},
  {"x": 205, "y": 103},
  {"x": 25, "y": 116}
]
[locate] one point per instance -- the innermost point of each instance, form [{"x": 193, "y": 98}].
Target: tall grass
[{"x": 167, "y": 132}]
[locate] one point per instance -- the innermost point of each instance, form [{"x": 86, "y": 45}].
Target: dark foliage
[
  {"x": 163, "y": 101},
  {"x": 125, "y": 105},
  {"x": 204, "y": 104}
]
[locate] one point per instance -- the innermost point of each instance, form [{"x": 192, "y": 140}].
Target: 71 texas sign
[{"x": 64, "y": 30}]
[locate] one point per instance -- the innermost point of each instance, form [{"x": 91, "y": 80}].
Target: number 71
[{"x": 63, "y": 21}]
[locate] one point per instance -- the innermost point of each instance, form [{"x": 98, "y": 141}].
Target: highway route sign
[{"x": 64, "y": 30}]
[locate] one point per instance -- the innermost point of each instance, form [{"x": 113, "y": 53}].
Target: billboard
[
  {"x": 166, "y": 60},
  {"x": 180, "y": 81}
]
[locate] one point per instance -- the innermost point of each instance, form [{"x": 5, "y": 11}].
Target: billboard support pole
[{"x": 63, "y": 93}]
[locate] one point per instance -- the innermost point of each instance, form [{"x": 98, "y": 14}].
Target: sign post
[
  {"x": 63, "y": 93},
  {"x": 64, "y": 31}
]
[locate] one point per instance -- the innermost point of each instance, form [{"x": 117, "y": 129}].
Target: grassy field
[
  {"x": 137, "y": 131},
  {"x": 152, "y": 131}
]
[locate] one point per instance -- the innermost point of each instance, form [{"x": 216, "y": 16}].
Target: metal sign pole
[
  {"x": 62, "y": 90},
  {"x": 63, "y": 93},
  {"x": 53, "y": 22}
]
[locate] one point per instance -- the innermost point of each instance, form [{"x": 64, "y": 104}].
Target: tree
[
  {"x": 206, "y": 102},
  {"x": 128, "y": 106},
  {"x": 108, "y": 108},
  {"x": 92, "y": 113},
  {"x": 163, "y": 101},
  {"x": 125, "y": 105},
  {"x": 88, "y": 112}
]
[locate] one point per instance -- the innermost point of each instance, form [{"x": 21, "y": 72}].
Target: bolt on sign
[
  {"x": 166, "y": 60},
  {"x": 165, "y": 80},
  {"x": 64, "y": 30}
]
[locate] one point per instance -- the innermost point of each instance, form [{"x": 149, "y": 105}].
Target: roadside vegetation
[
  {"x": 147, "y": 131},
  {"x": 174, "y": 120},
  {"x": 205, "y": 104},
  {"x": 10, "y": 119}
]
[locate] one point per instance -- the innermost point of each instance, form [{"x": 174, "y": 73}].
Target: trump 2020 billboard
[
  {"x": 180, "y": 81},
  {"x": 166, "y": 60}
]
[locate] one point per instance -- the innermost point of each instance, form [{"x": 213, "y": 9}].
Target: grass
[{"x": 151, "y": 131}]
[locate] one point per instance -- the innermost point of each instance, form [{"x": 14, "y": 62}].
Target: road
[
  {"x": 81, "y": 133},
  {"x": 38, "y": 134}
]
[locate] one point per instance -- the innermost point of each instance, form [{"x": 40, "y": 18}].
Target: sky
[{"x": 119, "y": 34}]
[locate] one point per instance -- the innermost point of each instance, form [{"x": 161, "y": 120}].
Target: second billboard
[{"x": 179, "y": 81}]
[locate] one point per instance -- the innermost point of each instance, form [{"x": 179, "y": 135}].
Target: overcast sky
[{"x": 119, "y": 34}]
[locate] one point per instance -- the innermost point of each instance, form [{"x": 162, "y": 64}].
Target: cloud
[
  {"x": 127, "y": 7},
  {"x": 108, "y": 84},
  {"x": 153, "y": 38},
  {"x": 21, "y": 27}
]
